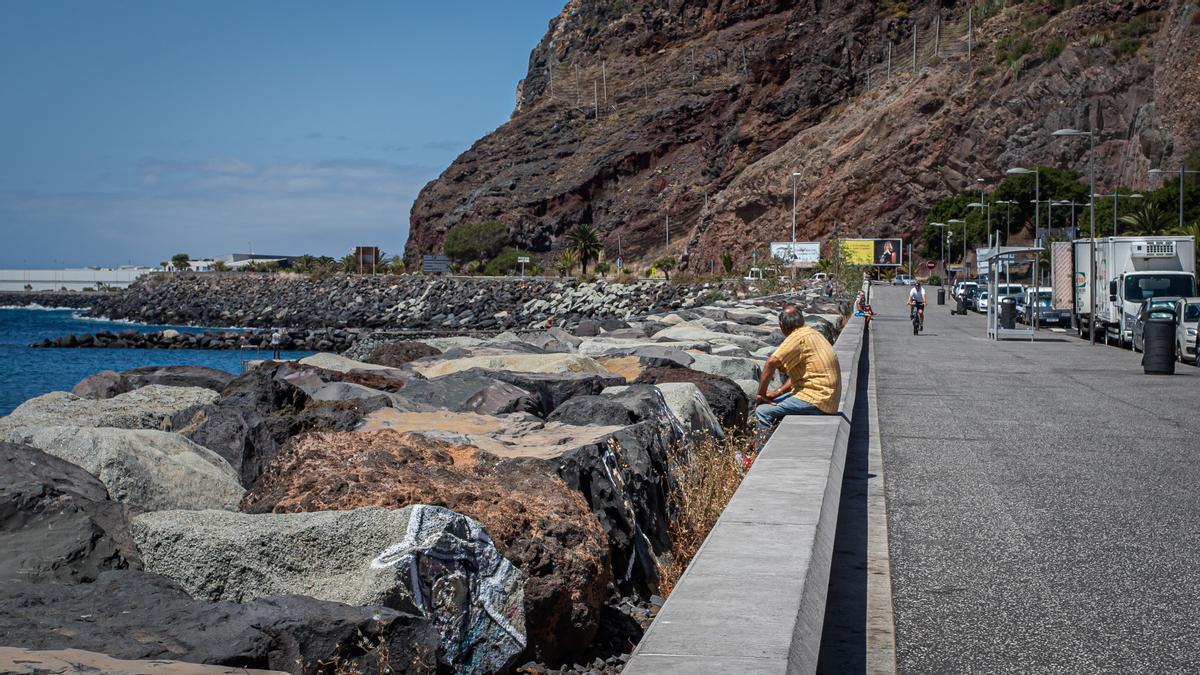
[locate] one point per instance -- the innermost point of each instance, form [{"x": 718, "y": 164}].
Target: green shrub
[
  {"x": 475, "y": 241},
  {"x": 506, "y": 262},
  {"x": 1125, "y": 47},
  {"x": 1053, "y": 48},
  {"x": 1032, "y": 23},
  {"x": 1096, "y": 40},
  {"x": 935, "y": 280}
]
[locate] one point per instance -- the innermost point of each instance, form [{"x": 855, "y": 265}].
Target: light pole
[
  {"x": 956, "y": 221},
  {"x": 1037, "y": 190},
  {"x": 988, "y": 209},
  {"x": 1115, "y": 196},
  {"x": 792, "y": 264},
  {"x": 1182, "y": 173},
  {"x": 1008, "y": 204},
  {"x": 1092, "y": 244},
  {"x": 942, "y": 226}
]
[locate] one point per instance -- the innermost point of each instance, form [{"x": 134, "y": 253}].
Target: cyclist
[{"x": 916, "y": 300}]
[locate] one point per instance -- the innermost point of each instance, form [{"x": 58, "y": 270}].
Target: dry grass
[{"x": 705, "y": 476}]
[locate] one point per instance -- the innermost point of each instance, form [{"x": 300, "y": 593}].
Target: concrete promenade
[{"x": 1043, "y": 500}]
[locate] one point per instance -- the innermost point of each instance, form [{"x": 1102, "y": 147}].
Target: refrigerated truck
[{"x": 1130, "y": 270}]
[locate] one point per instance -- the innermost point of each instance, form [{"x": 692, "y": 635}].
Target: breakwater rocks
[
  {"x": 459, "y": 504},
  {"x": 326, "y": 339},
  {"x": 410, "y": 302},
  {"x": 74, "y": 300}
]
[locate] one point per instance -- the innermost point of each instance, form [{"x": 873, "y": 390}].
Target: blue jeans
[{"x": 769, "y": 414}]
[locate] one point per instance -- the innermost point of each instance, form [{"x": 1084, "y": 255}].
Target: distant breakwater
[
  {"x": 410, "y": 302},
  {"x": 74, "y": 300},
  {"x": 291, "y": 340}
]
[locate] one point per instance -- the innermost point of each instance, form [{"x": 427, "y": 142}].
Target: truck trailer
[{"x": 1129, "y": 270}]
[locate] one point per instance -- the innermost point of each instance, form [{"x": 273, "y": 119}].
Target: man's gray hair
[{"x": 790, "y": 318}]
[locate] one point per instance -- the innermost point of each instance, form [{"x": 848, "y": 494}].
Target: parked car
[
  {"x": 819, "y": 276},
  {"x": 969, "y": 295},
  {"x": 1187, "y": 311},
  {"x": 1016, "y": 291},
  {"x": 1039, "y": 302},
  {"x": 904, "y": 280},
  {"x": 960, "y": 288},
  {"x": 981, "y": 302},
  {"x": 1166, "y": 310}
]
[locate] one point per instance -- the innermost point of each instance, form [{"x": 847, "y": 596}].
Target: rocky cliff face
[{"x": 701, "y": 110}]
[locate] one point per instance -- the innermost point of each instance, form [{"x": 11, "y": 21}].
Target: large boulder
[
  {"x": 339, "y": 363},
  {"x": 542, "y": 526},
  {"x": 550, "y": 390},
  {"x": 423, "y": 560},
  {"x": 18, "y": 661},
  {"x": 609, "y": 346},
  {"x": 137, "y": 615},
  {"x": 513, "y": 362},
  {"x": 258, "y": 413},
  {"x": 733, "y": 367},
  {"x": 688, "y": 405},
  {"x": 726, "y": 399},
  {"x": 695, "y": 331},
  {"x": 471, "y": 391},
  {"x": 621, "y": 472},
  {"x": 107, "y": 384},
  {"x": 56, "y": 521},
  {"x": 395, "y": 354},
  {"x": 149, "y": 407},
  {"x": 147, "y": 469}
]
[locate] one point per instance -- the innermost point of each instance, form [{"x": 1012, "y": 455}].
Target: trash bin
[
  {"x": 1158, "y": 343},
  {"x": 942, "y": 296},
  {"x": 1008, "y": 313}
]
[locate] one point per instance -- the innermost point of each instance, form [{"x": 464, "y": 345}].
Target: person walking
[{"x": 814, "y": 380}]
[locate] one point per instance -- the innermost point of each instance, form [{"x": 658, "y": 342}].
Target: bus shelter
[{"x": 998, "y": 259}]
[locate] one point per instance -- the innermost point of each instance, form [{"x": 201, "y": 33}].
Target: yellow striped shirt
[{"x": 809, "y": 361}]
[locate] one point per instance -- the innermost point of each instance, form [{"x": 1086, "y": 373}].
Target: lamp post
[
  {"x": 956, "y": 221},
  {"x": 1037, "y": 190},
  {"x": 792, "y": 263},
  {"x": 988, "y": 210},
  {"x": 1008, "y": 204},
  {"x": 1182, "y": 173},
  {"x": 942, "y": 226},
  {"x": 1115, "y": 196},
  {"x": 1092, "y": 244}
]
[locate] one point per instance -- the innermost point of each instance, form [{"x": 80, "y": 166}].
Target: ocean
[{"x": 27, "y": 372}]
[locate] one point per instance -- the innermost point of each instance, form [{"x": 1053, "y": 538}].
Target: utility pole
[
  {"x": 604, "y": 78},
  {"x": 937, "y": 35},
  {"x": 970, "y": 30},
  {"x": 596, "y": 98},
  {"x": 889, "y": 61},
  {"x": 550, "y": 70},
  {"x": 914, "y": 67},
  {"x": 668, "y": 230}
]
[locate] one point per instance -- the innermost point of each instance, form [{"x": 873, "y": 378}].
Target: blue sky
[{"x": 133, "y": 130}]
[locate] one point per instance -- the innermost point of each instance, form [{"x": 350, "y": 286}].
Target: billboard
[
  {"x": 885, "y": 252},
  {"x": 796, "y": 252}
]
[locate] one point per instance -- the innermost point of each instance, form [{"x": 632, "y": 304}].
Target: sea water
[{"x": 26, "y": 372}]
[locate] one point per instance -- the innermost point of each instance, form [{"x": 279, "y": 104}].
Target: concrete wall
[
  {"x": 753, "y": 599},
  {"x": 72, "y": 279}
]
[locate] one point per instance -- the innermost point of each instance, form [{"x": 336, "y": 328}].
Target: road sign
[
  {"x": 523, "y": 259},
  {"x": 435, "y": 264},
  {"x": 931, "y": 264}
]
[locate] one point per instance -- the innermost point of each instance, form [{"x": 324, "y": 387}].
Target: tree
[
  {"x": 219, "y": 266},
  {"x": 164, "y": 265},
  {"x": 666, "y": 265},
  {"x": 181, "y": 261},
  {"x": 584, "y": 243},
  {"x": 602, "y": 267},
  {"x": 1192, "y": 230},
  {"x": 29, "y": 287},
  {"x": 565, "y": 262},
  {"x": 396, "y": 265},
  {"x": 727, "y": 262},
  {"x": 825, "y": 265},
  {"x": 349, "y": 263},
  {"x": 304, "y": 264},
  {"x": 1146, "y": 219},
  {"x": 475, "y": 241},
  {"x": 506, "y": 262}
]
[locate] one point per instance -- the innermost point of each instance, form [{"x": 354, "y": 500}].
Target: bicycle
[{"x": 915, "y": 315}]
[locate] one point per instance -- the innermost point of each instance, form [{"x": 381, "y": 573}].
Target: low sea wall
[{"x": 753, "y": 598}]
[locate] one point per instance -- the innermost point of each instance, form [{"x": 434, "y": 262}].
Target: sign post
[{"x": 523, "y": 259}]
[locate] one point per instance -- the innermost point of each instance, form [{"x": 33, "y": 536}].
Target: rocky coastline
[
  {"x": 466, "y": 503},
  {"x": 405, "y": 302},
  {"x": 72, "y": 299},
  {"x": 290, "y": 340}
]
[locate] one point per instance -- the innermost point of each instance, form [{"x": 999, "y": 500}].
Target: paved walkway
[{"x": 1043, "y": 501}]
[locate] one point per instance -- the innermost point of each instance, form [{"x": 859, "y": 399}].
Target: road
[{"x": 1043, "y": 500}]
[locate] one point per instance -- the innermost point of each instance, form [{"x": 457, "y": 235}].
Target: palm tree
[
  {"x": 1147, "y": 219},
  {"x": 349, "y": 263},
  {"x": 565, "y": 262},
  {"x": 584, "y": 244},
  {"x": 304, "y": 264},
  {"x": 1192, "y": 230}
]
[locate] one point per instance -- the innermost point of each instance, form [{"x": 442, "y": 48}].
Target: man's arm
[{"x": 764, "y": 382}]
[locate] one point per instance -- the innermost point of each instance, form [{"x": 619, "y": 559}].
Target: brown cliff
[{"x": 700, "y": 110}]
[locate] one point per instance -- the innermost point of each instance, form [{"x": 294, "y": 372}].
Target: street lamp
[
  {"x": 956, "y": 221},
  {"x": 1037, "y": 190},
  {"x": 988, "y": 210},
  {"x": 1115, "y": 196},
  {"x": 1092, "y": 244},
  {"x": 942, "y": 226},
  {"x": 1008, "y": 204},
  {"x": 1182, "y": 173}
]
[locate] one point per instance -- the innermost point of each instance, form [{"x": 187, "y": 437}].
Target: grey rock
[
  {"x": 146, "y": 469},
  {"x": 149, "y": 407}
]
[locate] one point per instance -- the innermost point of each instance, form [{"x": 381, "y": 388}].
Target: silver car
[{"x": 1188, "y": 312}]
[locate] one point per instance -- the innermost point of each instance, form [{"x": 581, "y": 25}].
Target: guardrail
[{"x": 753, "y": 598}]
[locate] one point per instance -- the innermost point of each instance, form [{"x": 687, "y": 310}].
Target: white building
[{"x": 76, "y": 279}]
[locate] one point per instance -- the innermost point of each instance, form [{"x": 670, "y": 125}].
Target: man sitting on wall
[{"x": 814, "y": 380}]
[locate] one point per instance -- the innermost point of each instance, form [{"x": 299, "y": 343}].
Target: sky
[{"x": 134, "y": 130}]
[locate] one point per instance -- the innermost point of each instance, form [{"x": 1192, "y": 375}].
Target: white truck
[{"x": 1129, "y": 270}]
